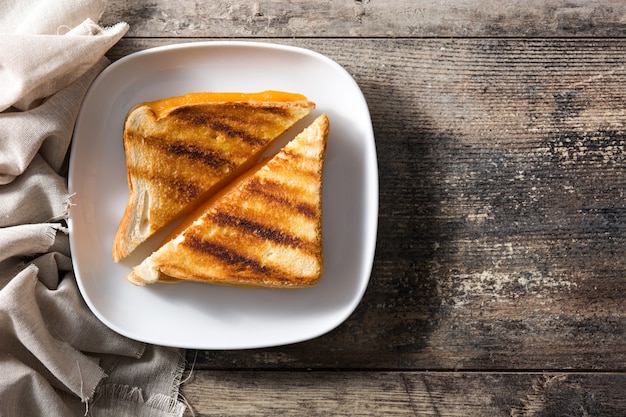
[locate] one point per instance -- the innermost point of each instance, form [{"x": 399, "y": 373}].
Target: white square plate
[{"x": 200, "y": 316}]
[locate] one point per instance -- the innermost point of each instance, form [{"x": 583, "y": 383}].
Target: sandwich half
[
  {"x": 263, "y": 230},
  {"x": 181, "y": 150}
]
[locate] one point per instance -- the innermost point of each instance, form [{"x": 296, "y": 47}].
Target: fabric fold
[
  {"x": 39, "y": 195},
  {"x": 45, "y": 130},
  {"x": 26, "y": 82},
  {"x": 31, "y": 342},
  {"x": 56, "y": 357}
]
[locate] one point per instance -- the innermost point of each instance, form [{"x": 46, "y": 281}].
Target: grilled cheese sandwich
[
  {"x": 181, "y": 150},
  {"x": 262, "y": 230}
]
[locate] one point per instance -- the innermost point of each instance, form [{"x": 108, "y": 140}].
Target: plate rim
[{"x": 372, "y": 193}]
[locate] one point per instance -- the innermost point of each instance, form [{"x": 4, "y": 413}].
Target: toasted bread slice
[
  {"x": 181, "y": 150},
  {"x": 263, "y": 230}
]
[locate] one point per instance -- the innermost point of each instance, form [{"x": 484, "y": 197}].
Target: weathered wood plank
[
  {"x": 398, "y": 18},
  {"x": 502, "y": 224},
  {"x": 502, "y": 245},
  {"x": 502, "y": 227},
  {"x": 239, "y": 393}
]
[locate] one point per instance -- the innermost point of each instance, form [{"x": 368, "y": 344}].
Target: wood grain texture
[
  {"x": 219, "y": 393},
  {"x": 370, "y": 18},
  {"x": 502, "y": 224},
  {"x": 500, "y": 271}
]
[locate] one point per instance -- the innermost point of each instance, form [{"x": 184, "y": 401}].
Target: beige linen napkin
[{"x": 56, "y": 357}]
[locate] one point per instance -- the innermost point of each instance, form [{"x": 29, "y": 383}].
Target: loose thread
[
  {"x": 193, "y": 364},
  {"x": 182, "y": 381},
  {"x": 82, "y": 394},
  {"x": 65, "y": 28}
]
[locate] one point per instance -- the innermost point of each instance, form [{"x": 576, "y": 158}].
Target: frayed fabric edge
[
  {"x": 51, "y": 233},
  {"x": 67, "y": 205},
  {"x": 168, "y": 404},
  {"x": 90, "y": 28},
  {"x": 120, "y": 398},
  {"x": 178, "y": 375}
]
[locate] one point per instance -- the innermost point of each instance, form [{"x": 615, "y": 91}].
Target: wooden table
[{"x": 498, "y": 286}]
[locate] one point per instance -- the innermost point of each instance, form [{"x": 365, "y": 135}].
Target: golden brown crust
[
  {"x": 265, "y": 231},
  {"x": 182, "y": 155}
]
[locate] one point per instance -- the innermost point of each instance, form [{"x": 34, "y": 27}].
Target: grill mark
[
  {"x": 186, "y": 191},
  {"x": 226, "y": 255},
  {"x": 306, "y": 210},
  {"x": 258, "y": 229},
  {"x": 264, "y": 190},
  {"x": 218, "y": 119},
  {"x": 293, "y": 155},
  {"x": 184, "y": 188},
  {"x": 228, "y": 110},
  {"x": 206, "y": 156},
  {"x": 275, "y": 110},
  {"x": 232, "y": 133}
]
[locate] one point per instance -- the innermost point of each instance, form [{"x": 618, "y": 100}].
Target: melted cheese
[{"x": 159, "y": 106}]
